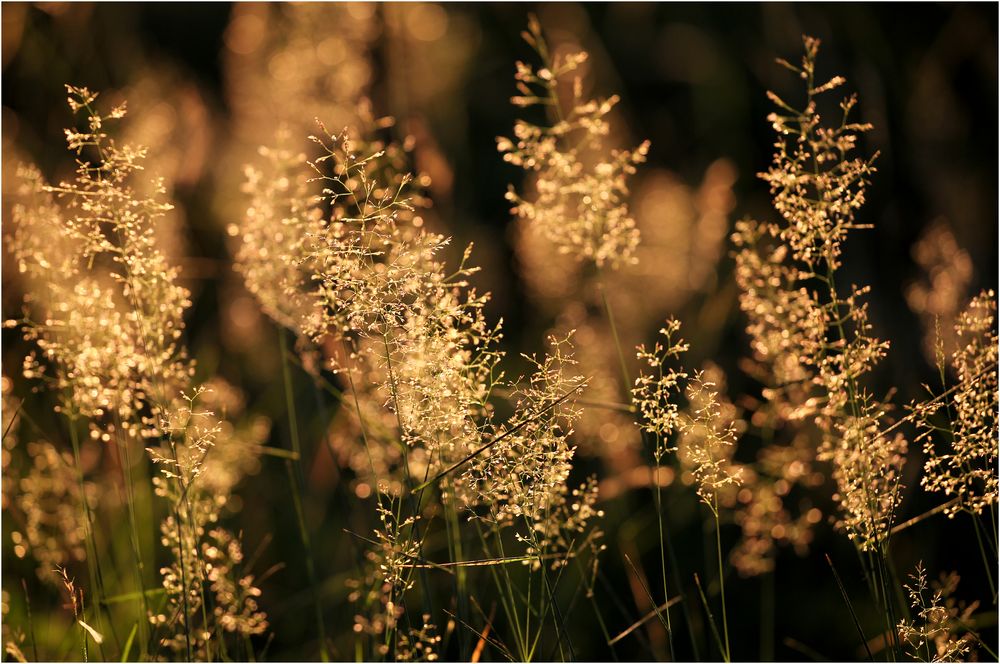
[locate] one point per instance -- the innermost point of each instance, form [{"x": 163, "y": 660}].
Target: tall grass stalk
[
  {"x": 817, "y": 188},
  {"x": 649, "y": 595},
  {"x": 548, "y": 600},
  {"x": 127, "y": 479},
  {"x": 850, "y": 607},
  {"x": 878, "y": 563},
  {"x": 722, "y": 577},
  {"x": 987, "y": 564},
  {"x": 415, "y": 500},
  {"x": 657, "y": 457},
  {"x": 527, "y": 611},
  {"x": 31, "y": 622},
  {"x": 127, "y": 649},
  {"x": 588, "y": 584},
  {"x": 711, "y": 619},
  {"x": 658, "y": 505},
  {"x": 184, "y": 586},
  {"x": 505, "y": 589},
  {"x": 456, "y": 554},
  {"x": 93, "y": 561},
  {"x": 295, "y": 478}
]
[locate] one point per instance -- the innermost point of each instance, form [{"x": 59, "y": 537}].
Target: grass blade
[
  {"x": 128, "y": 643},
  {"x": 850, "y": 607},
  {"x": 645, "y": 588},
  {"x": 711, "y": 618},
  {"x": 646, "y": 618}
]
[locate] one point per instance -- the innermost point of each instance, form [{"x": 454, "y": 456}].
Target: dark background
[{"x": 692, "y": 79}]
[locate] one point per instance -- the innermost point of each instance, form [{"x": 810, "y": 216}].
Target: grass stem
[
  {"x": 722, "y": 579},
  {"x": 850, "y": 607},
  {"x": 295, "y": 477}
]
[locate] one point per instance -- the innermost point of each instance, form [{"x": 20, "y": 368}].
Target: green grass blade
[
  {"x": 128, "y": 643},
  {"x": 850, "y": 607}
]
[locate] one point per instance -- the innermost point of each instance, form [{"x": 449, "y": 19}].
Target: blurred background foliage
[{"x": 207, "y": 83}]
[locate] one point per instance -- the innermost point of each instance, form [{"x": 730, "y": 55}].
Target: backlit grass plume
[
  {"x": 815, "y": 340},
  {"x": 941, "y": 630},
  {"x": 966, "y": 470},
  {"x": 574, "y": 481},
  {"x": 106, "y": 310},
  {"x": 706, "y": 443},
  {"x": 109, "y": 337},
  {"x": 417, "y": 328},
  {"x": 581, "y": 185},
  {"x": 417, "y": 346}
]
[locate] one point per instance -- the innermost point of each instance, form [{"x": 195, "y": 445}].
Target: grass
[{"x": 473, "y": 503}]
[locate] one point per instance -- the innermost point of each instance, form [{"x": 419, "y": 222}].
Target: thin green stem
[
  {"x": 658, "y": 503},
  {"x": 456, "y": 555},
  {"x": 626, "y": 383},
  {"x": 561, "y": 634},
  {"x": 127, "y": 650},
  {"x": 126, "y": 463},
  {"x": 184, "y": 584},
  {"x": 664, "y": 541},
  {"x": 649, "y": 595},
  {"x": 295, "y": 476},
  {"x": 711, "y": 618},
  {"x": 31, "y": 623},
  {"x": 93, "y": 562},
  {"x": 590, "y": 593},
  {"x": 722, "y": 578},
  {"x": 850, "y": 607},
  {"x": 415, "y": 499},
  {"x": 982, "y": 552},
  {"x": 83, "y": 631},
  {"x": 508, "y": 600},
  {"x": 993, "y": 523}
]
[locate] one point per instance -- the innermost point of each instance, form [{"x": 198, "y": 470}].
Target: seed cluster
[
  {"x": 106, "y": 311},
  {"x": 815, "y": 343},
  {"x": 451, "y": 461},
  {"x": 966, "y": 471},
  {"x": 581, "y": 186}
]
